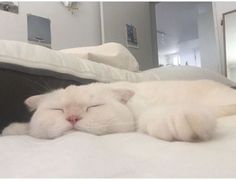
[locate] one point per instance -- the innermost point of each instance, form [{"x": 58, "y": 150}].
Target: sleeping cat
[{"x": 169, "y": 110}]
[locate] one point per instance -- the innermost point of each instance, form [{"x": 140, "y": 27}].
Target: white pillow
[{"x": 113, "y": 54}]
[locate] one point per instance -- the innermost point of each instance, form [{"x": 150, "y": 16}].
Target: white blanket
[
  {"x": 34, "y": 56},
  {"x": 120, "y": 155}
]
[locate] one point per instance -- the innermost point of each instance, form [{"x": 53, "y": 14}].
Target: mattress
[{"x": 126, "y": 155}]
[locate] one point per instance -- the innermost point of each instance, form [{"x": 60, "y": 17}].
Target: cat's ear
[
  {"x": 33, "y": 101},
  {"x": 123, "y": 95}
]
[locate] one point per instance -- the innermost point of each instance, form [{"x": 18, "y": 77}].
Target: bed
[
  {"x": 30, "y": 69},
  {"x": 127, "y": 155}
]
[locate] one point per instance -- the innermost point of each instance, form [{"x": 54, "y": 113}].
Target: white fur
[
  {"x": 178, "y": 122},
  {"x": 169, "y": 110},
  {"x": 110, "y": 116},
  {"x": 16, "y": 129}
]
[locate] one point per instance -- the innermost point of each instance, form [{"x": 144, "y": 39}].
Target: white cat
[{"x": 169, "y": 110}]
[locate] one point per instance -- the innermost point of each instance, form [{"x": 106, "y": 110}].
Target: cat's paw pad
[{"x": 16, "y": 129}]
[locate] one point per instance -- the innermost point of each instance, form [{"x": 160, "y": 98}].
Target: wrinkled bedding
[
  {"x": 38, "y": 57},
  {"x": 125, "y": 155},
  {"x": 35, "y": 57}
]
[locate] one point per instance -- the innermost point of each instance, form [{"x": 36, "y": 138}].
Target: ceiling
[{"x": 177, "y": 22}]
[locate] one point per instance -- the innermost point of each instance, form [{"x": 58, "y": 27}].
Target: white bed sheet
[{"x": 120, "y": 155}]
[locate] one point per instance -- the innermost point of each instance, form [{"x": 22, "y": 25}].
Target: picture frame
[
  {"x": 39, "y": 30},
  {"x": 131, "y": 36}
]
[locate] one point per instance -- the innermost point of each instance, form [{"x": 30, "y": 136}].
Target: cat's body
[{"x": 170, "y": 110}]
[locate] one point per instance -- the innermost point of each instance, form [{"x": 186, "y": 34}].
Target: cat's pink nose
[{"x": 73, "y": 119}]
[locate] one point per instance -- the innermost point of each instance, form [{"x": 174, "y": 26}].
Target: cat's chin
[
  {"x": 103, "y": 129},
  {"x": 89, "y": 130}
]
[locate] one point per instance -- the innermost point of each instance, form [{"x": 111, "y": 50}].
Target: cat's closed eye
[
  {"x": 93, "y": 106},
  {"x": 58, "y": 109}
]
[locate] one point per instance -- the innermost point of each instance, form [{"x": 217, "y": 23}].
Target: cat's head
[{"x": 93, "y": 108}]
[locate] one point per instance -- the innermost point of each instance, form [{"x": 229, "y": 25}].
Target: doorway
[{"x": 185, "y": 34}]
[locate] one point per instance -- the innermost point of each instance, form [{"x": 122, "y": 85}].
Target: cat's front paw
[
  {"x": 182, "y": 124},
  {"x": 16, "y": 129}
]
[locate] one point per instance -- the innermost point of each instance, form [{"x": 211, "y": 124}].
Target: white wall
[
  {"x": 207, "y": 42},
  {"x": 178, "y": 22},
  {"x": 219, "y": 8},
  {"x": 189, "y": 32},
  {"x": 230, "y": 38},
  {"x": 162, "y": 60},
  {"x": 189, "y": 52},
  {"x": 154, "y": 34},
  {"x": 117, "y": 15},
  {"x": 81, "y": 29}
]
